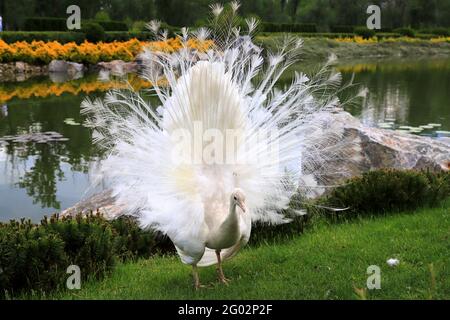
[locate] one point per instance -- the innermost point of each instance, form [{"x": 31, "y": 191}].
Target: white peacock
[{"x": 207, "y": 206}]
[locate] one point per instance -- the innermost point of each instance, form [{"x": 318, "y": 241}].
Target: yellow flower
[{"x": 86, "y": 52}]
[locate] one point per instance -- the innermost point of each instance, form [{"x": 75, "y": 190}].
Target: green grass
[{"x": 326, "y": 262}]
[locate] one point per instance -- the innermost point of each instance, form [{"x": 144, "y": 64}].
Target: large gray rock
[
  {"x": 72, "y": 69},
  {"x": 381, "y": 148},
  {"x": 118, "y": 67},
  {"x": 353, "y": 149}
]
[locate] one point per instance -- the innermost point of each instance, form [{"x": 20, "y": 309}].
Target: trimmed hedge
[
  {"x": 407, "y": 32},
  {"x": 288, "y": 27},
  {"x": 94, "y": 32},
  {"x": 365, "y": 32},
  {"x": 317, "y": 35},
  {"x": 36, "y": 256},
  {"x": 59, "y": 24},
  {"x": 383, "y": 191},
  {"x": 111, "y": 25},
  {"x": 125, "y": 36},
  {"x": 45, "y": 24},
  {"x": 77, "y": 37},
  {"x": 61, "y": 37},
  {"x": 342, "y": 29}
]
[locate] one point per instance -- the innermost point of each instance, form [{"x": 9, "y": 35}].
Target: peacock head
[{"x": 238, "y": 199}]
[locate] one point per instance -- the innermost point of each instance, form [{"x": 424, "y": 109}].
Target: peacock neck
[{"x": 231, "y": 221}]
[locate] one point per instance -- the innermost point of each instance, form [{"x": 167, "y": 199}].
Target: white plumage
[{"x": 223, "y": 140}]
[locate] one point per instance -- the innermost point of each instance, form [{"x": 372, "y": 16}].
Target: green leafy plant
[
  {"x": 94, "y": 32},
  {"x": 36, "y": 256},
  {"x": 406, "y": 32},
  {"x": 365, "y": 32},
  {"x": 382, "y": 191}
]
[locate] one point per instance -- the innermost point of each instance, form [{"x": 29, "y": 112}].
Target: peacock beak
[{"x": 242, "y": 206}]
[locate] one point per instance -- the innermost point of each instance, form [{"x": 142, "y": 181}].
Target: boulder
[
  {"x": 118, "y": 67},
  {"x": 349, "y": 148},
  {"x": 72, "y": 69}
]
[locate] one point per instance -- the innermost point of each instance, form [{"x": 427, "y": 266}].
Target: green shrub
[
  {"x": 131, "y": 241},
  {"x": 102, "y": 15},
  {"x": 342, "y": 29},
  {"x": 365, "y": 32},
  {"x": 78, "y": 37},
  {"x": 110, "y": 25},
  {"x": 93, "y": 32},
  {"x": 36, "y": 256},
  {"x": 383, "y": 35},
  {"x": 60, "y": 24},
  {"x": 45, "y": 24},
  {"x": 441, "y": 32},
  {"x": 382, "y": 191},
  {"x": 88, "y": 241},
  {"x": 138, "y": 26},
  {"x": 30, "y": 258},
  {"x": 406, "y": 32},
  {"x": 61, "y": 37},
  {"x": 125, "y": 36},
  {"x": 288, "y": 27}
]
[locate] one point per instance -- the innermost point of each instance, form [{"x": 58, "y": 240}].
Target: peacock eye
[{"x": 235, "y": 198}]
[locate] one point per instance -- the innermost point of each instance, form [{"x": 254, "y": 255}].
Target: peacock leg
[
  {"x": 196, "y": 278},
  {"x": 219, "y": 269}
]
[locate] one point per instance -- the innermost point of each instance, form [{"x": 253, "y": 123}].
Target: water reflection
[
  {"x": 45, "y": 171},
  {"x": 405, "y": 92}
]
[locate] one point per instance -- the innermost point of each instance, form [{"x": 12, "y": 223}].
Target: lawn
[
  {"x": 321, "y": 48},
  {"x": 329, "y": 261}
]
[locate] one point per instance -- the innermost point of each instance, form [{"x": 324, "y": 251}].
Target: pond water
[{"x": 51, "y": 172}]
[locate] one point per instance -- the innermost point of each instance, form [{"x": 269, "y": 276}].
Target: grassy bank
[
  {"x": 321, "y": 48},
  {"x": 327, "y": 262}
]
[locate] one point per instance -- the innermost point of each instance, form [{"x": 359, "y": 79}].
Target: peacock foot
[
  {"x": 224, "y": 280},
  {"x": 199, "y": 286}
]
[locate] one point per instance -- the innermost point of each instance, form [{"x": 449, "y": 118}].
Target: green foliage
[
  {"x": 138, "y": 26},
  {"x": 382, "y": 191},
  {"x": 59, "y": 24},
  {"x": 289, "y": 27},
  {"x": 125, "y": 36},
  {"x": 37, "y": 256},
  {"x": 342, "y": 29},
  {"x": 78, "y": 37},
  {"x": 406, "y": 32},
  {"x": 365, "y": 32},
  {"x": 130, "y": 240},
  {"x": 45, "y": 24},
  {"x": 93, "y": 31},
  {"x": 443, "y": 32},
  {"x": 102, "y": 15},
  {"x": 61, "y": 37},
  {"x": 30, "y": 258},
  {"x": 88, "y": 241},
  {"x": 110, "y": 25}
]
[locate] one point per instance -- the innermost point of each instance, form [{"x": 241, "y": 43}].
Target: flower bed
[{"x": 40, "y": 52}]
